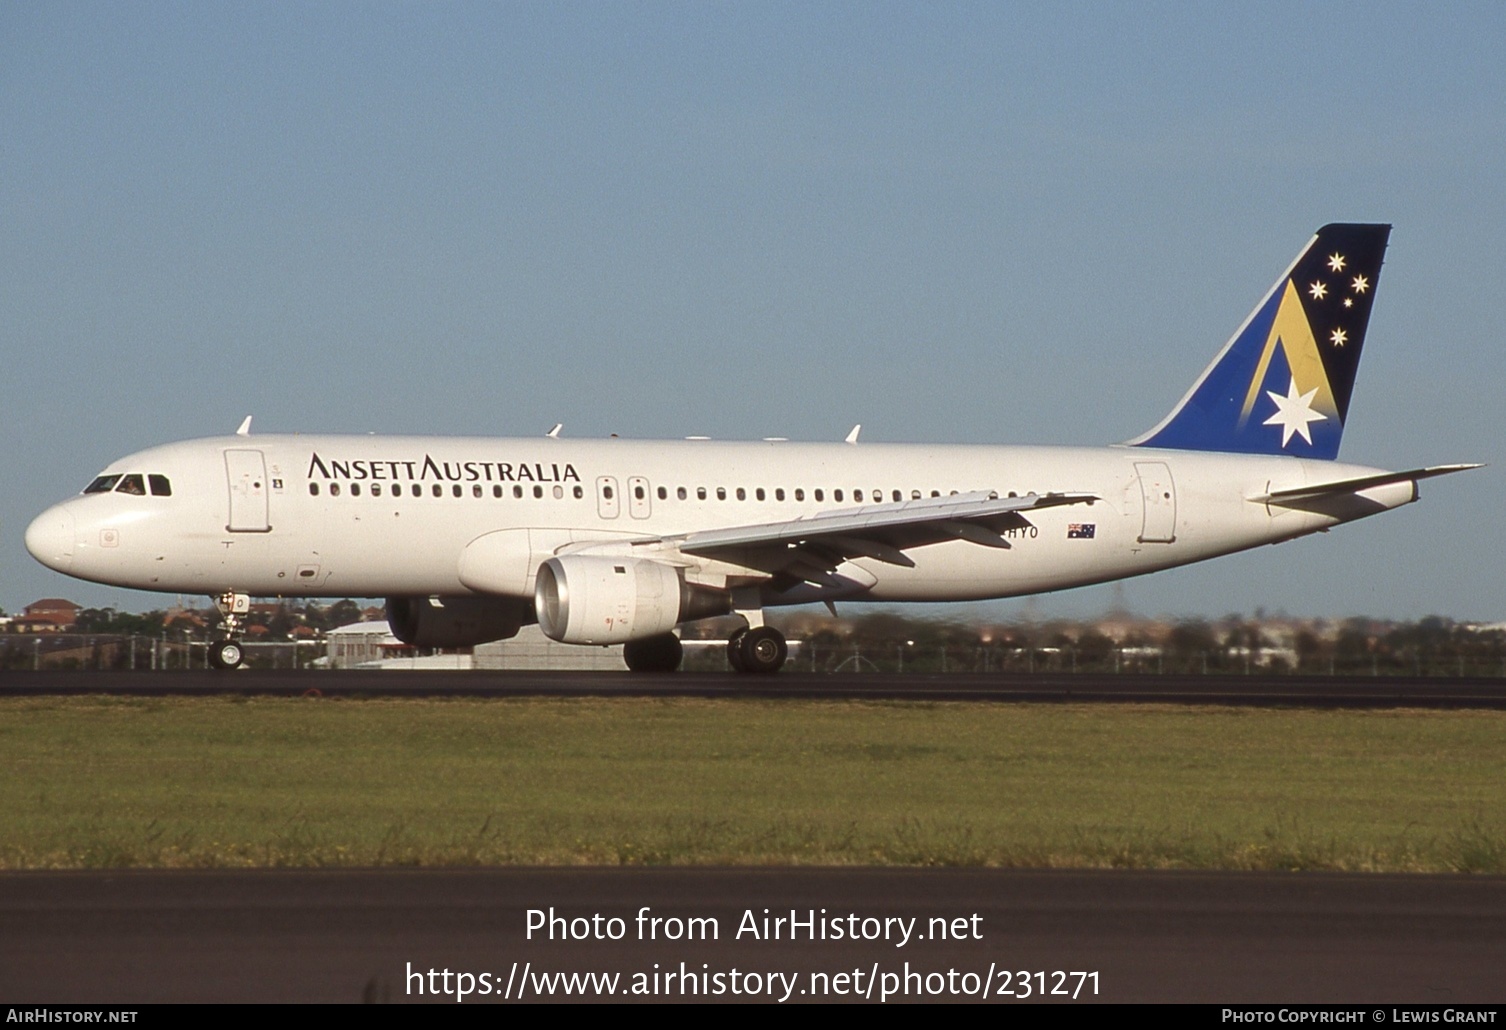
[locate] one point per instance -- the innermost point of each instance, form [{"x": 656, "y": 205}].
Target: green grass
[{"x": 95, "y": 782}]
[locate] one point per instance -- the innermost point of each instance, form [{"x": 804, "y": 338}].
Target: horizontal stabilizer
[{"x": 1349, "y": 486}]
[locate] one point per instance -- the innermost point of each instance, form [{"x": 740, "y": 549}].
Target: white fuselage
[{"x": 372, "y": 516}]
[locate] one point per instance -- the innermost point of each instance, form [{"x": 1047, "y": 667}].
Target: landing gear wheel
[
  {"x": 735, "y": 650},
  {"x": 763, "y": 651},
  {"x": 225, "y": 654},
  {"x": 654, "y": 654}
]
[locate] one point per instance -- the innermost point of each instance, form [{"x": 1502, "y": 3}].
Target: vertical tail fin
[{"x": 1282, "y": 384}]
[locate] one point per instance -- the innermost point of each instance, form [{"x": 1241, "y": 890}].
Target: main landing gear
[
  {"x": 654, "y": 654},
  {"x": 226, "y": 653},
  {"x": 759, "y": 650}
]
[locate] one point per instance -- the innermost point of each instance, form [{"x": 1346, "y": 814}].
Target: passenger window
[
  {"x": 898, "y": 496},
  {"x": 638, "y": 493},
  {"x": 355, "y": 489},
  {"x": 663, "y": 494},
  {"x": 538, "y": 492},
  {"x": 799, "y": 493},
  {"x": 680, "y": 493},
  {"x": 700, "y": 493},
  {"x": 334, "y": 489},
  {"x": 497, "y": 491},
  {"x": 397, "y": 489},
  {"x": 836, "y": 495},
  {"x": 606, "y": 492},
  {"x": 376, "y": 489},
  {"x": 778, "y": 494},
  {"x": 438, "y": 490},
  {"x": 857, "y": 495},
  {"x": 457, "y": 491},
  {"x": 517, "y": 491},
  {"x": 476, "y": 490},
  {"x": 721, "y": 493},
  {"x": 742, "y": 495},
  {"x": 579, "y": 493},
  {"x": 102, "y": 485},
  {"x": 914, "y": 495},
  {"x": 160, "y": 486},
  {"x": 818, "y": 495},
  {"x": 132, "y": 485},
  {"x": 559, "y": 493},
  {"x": 313, "y": 489}
]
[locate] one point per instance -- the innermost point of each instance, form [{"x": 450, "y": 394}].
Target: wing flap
[{"x": 945, "y": 518}]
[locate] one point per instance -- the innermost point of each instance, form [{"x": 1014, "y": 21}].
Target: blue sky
[{"x": 977, "y": 223}]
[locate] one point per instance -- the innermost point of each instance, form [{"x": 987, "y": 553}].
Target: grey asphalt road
[{"x": 1262, "y": 689}]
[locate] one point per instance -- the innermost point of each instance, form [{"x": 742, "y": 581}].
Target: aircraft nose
[{"x": 52, "y": 537}]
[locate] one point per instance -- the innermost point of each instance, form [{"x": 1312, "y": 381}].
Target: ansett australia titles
[
  {"x": 754, "y": 925},
  {"x": 425, "y": 468}
]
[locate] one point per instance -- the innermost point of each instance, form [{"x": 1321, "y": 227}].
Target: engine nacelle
[
  {"x": 599, "y": 599},
  {"x": 455, "y": 621}
]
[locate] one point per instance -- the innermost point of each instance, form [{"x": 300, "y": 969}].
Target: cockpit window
[
  {"x": 102, "y": 485},
  {"x": 160, "y": 486},
  {"x": 132, "y": 484}
]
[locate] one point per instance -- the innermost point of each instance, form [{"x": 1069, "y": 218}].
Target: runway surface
[
  {"x": 1254, "y": 690},
  {"x": 346, "y": 936}
]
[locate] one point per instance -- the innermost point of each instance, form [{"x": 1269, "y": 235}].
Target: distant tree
[
  {"x": 342, "y": 613},
  {"x": 1311, "y": 651},
  {"x": 108, "y": 620},
  {"x": 1094, "y": 648}
]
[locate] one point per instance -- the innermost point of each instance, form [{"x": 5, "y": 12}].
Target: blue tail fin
[{"x": 1281, "y": 385}]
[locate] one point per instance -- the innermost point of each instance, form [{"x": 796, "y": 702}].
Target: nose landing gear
[{"x": 227, "y": 653}]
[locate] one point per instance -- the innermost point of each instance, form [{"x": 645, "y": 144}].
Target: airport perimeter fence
[
  {"x": 21, "y": 652},
  {"x": 120, "y": 652},
  {"x": 984, "y": 660}
]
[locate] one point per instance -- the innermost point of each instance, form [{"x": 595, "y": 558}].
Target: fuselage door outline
[
  {"x": 639, "y": 504},
  {"x": 608, "y": 504},
  {"x": 246, "y": 476},
  {"x": 1158, "y": 495}
]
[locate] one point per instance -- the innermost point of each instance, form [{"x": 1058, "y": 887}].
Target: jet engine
[
  {"x": 599, "y": 599},
  {"x": 455, "y": 621}
]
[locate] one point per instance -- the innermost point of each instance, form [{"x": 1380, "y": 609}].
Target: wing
[{"x": 811, "y": 549}]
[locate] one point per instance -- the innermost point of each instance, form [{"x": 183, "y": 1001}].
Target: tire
[
  {"x": 654, "y": 654},
  {"x": 735, "y": 650},
  {"x": 764, "y": 651},
  {"x": 225, "y": 654}
]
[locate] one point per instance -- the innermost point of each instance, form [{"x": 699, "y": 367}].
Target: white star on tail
[
  {"x": 1336, "y": 262},
  {"x": 1294, "y": 412}
]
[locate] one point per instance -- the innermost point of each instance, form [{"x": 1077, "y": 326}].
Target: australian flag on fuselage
[{"x": 1282, "y": 384}]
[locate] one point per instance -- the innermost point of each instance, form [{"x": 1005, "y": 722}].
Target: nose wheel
[{"x": 227, "y": 653}]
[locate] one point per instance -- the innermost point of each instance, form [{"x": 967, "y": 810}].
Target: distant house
[{"x": 49, "y": 615}]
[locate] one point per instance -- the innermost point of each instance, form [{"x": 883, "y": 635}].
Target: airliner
[{"x": 620, "y": 541}]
